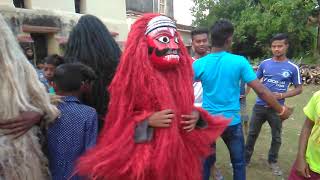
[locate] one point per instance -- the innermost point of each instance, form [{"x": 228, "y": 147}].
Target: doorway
[{"x": 40, "y": 46}]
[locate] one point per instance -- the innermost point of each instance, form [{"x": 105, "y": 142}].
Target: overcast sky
[{"x": 182, "y": 12}]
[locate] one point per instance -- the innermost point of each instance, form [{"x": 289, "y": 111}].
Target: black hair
[
  {"x": 91, "y": 43},
  {"x": 54, "y": 59},
  {"x": 40, "y": 62},
  {"x": 70, "y": 77},
  {"x": 279, "y": 37},
  {"x": 220, "y": 32},
  {"x": 28, "y": 48},
  {"x": 25, "y": 49},
  {"x": 198, "y": 31}
]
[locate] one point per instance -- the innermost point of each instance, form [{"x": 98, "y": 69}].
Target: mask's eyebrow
[{"x": 167, "y": 30}]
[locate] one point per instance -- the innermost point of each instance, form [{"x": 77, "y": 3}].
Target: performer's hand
[
  {"x": 302, "y": 168},
  {"x": 278, "y": 95},
  {"x": 161, "y": 118},
  {"x": 190, "y": 120},
  {"x": 21, "y": 124},
  {"x": 287, "y": 113}
]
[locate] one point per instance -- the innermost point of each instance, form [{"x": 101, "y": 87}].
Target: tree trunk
[{"x": 318, "y": 37}]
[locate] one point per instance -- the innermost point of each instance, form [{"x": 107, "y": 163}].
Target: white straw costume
[{"x": 20, "y": 90}]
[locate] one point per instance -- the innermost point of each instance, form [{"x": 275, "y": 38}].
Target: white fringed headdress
[{"x": 159, "y": 21}]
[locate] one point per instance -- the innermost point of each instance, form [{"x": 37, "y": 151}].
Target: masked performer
[
  {"x": 152, "y": 129},
  {"x": 21, "y": 95},
  {"x": 91, "y": 43}
]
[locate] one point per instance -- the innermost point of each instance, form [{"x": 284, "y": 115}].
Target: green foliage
[{"x": 256, "y": 21}]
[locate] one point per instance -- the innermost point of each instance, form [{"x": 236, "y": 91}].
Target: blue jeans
[{"x": 233, "y": 138}]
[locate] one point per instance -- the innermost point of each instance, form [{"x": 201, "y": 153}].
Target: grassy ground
[{"x": 291, "y": 131}]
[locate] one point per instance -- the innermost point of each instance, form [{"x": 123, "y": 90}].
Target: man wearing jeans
[
  {"x": 200, "y": 45},
  {"x": 277, "y": 73},
  {"x": 220, "y": 73}
]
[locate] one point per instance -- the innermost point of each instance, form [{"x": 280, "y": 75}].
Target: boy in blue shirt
[
  {"x": 75, "y": 131},
  {"x": 277, "y": 73},
  {"x": 220, "y": 73}
]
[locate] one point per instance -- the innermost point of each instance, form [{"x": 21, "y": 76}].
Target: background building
[
  {"x": 44, "y": 25},
  {"x": 136, "y": 8}
]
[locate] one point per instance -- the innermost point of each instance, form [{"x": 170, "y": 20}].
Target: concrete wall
[
  {"x": 131, "y": 20},
  {"x": 59, "y": 5},
  {"x": 60, "y": 16},
  {"x": 61, "y": 24},
  {"x": 7, "y": 3},
  {"x": 112, "y": 12}
]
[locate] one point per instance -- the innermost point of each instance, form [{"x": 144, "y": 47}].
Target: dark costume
[{"x": 91, "y": 43}]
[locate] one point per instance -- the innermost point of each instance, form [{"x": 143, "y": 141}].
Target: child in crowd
[
  {"x": 40, "y": 65},
  {"x": 307, "y": 164},
  {"x": 76, "y": 128},
  {"x": 50, "y": 64},
  {"x": 28, "y": 51}
]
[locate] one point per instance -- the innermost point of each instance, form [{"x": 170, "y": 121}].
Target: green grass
[{"x": 290, "y": 134}]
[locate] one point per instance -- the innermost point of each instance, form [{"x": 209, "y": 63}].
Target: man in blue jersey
[
  {"x": 277, "y": 73},
  {"x": 220, "y": 73}
]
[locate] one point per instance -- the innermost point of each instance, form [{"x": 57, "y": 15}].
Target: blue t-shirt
[
  {"x": 220, "y": 74},
  {"x": 277, "y": 76}
]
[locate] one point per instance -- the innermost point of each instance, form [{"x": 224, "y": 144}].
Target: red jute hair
[{"x": 138, "y": 90}]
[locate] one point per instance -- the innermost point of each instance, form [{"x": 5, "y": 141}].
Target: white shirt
[{"x": 197, "y": 88}]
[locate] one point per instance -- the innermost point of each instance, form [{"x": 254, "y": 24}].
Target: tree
[
  {"x": 256, "y": 21},
  {"x": 315, "y": 19}
]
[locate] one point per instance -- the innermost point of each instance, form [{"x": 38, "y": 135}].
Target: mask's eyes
[
  {"x": 176, "y": 40},
  {"x": 164, "y": 39}
]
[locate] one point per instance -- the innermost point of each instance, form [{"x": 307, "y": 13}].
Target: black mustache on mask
[{"x": 166, "y": 51}]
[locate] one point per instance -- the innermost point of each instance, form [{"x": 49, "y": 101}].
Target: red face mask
[{"x": 164, "y": 47}]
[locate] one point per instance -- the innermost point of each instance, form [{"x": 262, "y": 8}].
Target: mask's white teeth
[{"x": 171, "y": 56}]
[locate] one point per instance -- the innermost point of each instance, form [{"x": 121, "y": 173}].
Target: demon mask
[{"x": 163, "y": 42}]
